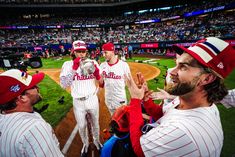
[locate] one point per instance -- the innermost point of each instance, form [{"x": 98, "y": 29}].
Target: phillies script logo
[
  {"x": 111, "y": 75},
  {"x": 82, "y": 77},
  {"x": 79, "y": 44}
]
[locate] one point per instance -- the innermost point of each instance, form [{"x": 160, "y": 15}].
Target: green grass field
[{"x": 52, "y": 92}]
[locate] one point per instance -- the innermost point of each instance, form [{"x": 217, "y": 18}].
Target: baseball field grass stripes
[{"x": 52, "y": 93}]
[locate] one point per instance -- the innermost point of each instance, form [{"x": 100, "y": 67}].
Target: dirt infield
[{"x": 66, "y": 126}]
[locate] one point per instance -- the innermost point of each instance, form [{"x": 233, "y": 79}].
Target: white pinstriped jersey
[
  {"x": 195, "y": 132},
  {"x": 114, "y": 82},
  {"x": 27, "y": 134},
  {"x": 81, "y": 85},
  {"x": 229, "y": 100}
]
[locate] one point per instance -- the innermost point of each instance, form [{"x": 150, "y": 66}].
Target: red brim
[
  {"x": 79, "y": 49},
  {"x": 180, "y": 50},
  {"x": 36, "y": 78}
]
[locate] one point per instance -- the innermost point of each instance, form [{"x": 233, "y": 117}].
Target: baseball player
[
  {"x": 191, "y": 123},
  {"x": 84, "y": 93},
  {"x": 113, "y": 71},
  {"x": 23, "y": 132}
]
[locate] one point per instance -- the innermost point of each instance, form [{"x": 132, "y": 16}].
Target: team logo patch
[
  {"x": 15, "y": 88},
  {"x": 79, "y": 45}
]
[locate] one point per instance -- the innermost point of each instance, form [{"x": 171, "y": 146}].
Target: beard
[
  {"x": 181, "y": 88},
  {"x": 36, "y": 100}
]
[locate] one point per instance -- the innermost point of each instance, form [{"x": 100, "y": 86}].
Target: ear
[
  {"x": 207, "y": 78},
  {"x": 21, "y": 98}
]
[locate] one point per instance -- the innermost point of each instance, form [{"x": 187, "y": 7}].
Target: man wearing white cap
[
  {"x": 75, "y": 74},
  {"x": 190, "y": 125},
  {"x": 23, "y": 132}
]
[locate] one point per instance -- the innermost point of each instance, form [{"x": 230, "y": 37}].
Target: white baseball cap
[{"x": 79, "y": 45}]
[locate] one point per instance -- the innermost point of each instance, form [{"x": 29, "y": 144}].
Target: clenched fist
[{"x": 76, "y": 63}]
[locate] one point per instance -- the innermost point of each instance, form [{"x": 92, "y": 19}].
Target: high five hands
[
  {"x": 137, "y": 90},
  {"x": 140, "y": 89},
  {"x": 161, "y": 95}
]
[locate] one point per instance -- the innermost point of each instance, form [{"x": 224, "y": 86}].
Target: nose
[{"x": 173, "y": 71}]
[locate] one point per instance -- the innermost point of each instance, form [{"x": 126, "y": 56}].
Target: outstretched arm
[
  {"x": 152, "y": 109},
  {"x": 161, "y": 95},
  {"x": 136, "y": 120}
]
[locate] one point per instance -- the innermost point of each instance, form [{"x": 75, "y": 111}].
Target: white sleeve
[
  {"x": 229, "y": 100},
  {"x": 40, "y": 140},
  {"x": 167, "y": 141},
  {"x": 66, "y": 75}
]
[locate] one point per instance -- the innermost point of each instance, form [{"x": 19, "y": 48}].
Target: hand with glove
[
  {"x": 97, "y": 73},
  {"x": 76, "y": 63}
]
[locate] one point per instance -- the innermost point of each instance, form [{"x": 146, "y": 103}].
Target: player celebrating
[
  {"x": 113, "y": 71},
  {"x": 84, "y": 93},
  {"x": 23, "y": 132},
  {"x": 191, "y": 124}
]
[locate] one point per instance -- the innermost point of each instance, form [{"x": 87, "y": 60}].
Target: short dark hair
[
  {"x": 8, "y": 106},
  {"x": 216, "y": 90}
]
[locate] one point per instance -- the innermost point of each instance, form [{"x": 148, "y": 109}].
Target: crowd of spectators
[
  {"x": 124, "y": 30},
  {"x": 157, "y": 13},
  {"x": 219, "y": 25}
]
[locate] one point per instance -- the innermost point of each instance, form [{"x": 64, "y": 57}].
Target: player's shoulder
[
  {"x": 35, "y": 120},
  {"x": 67, "y": 63},
  {"x": 32, "y": 116},
  {"x": 122, "y": 62},
  {"x": 103, "y": 64},
  {"x": 26, "y": 119}
]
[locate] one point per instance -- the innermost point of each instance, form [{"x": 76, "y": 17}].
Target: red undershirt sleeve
[
  {"x": 153, "y": 109},
  {"x": 136, "y": 123}
]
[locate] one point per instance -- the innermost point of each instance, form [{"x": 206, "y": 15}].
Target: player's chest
[{"x": 113, "y": 72}]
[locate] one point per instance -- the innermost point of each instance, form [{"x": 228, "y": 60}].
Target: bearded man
[{"x": 190, "y": 125}]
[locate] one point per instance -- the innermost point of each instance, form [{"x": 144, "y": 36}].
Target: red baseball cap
[
  {"x": 14, "y": 82},
  {"x": 79, "y": 45},
  {"x": 108, "y": 47},
  {"x": 121, "y": 117},
  {"x": 213, "y": 53}
]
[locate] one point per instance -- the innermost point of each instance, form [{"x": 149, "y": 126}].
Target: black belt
[
  {"x": 83, "y": 98},
  {"x": 86, "y": 97},
  {"x": 122, "y": 102}
]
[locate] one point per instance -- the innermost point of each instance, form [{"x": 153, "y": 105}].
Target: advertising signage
[
  {"x": 200, "y": 12},
  {"x": 149, "y": 45}
]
